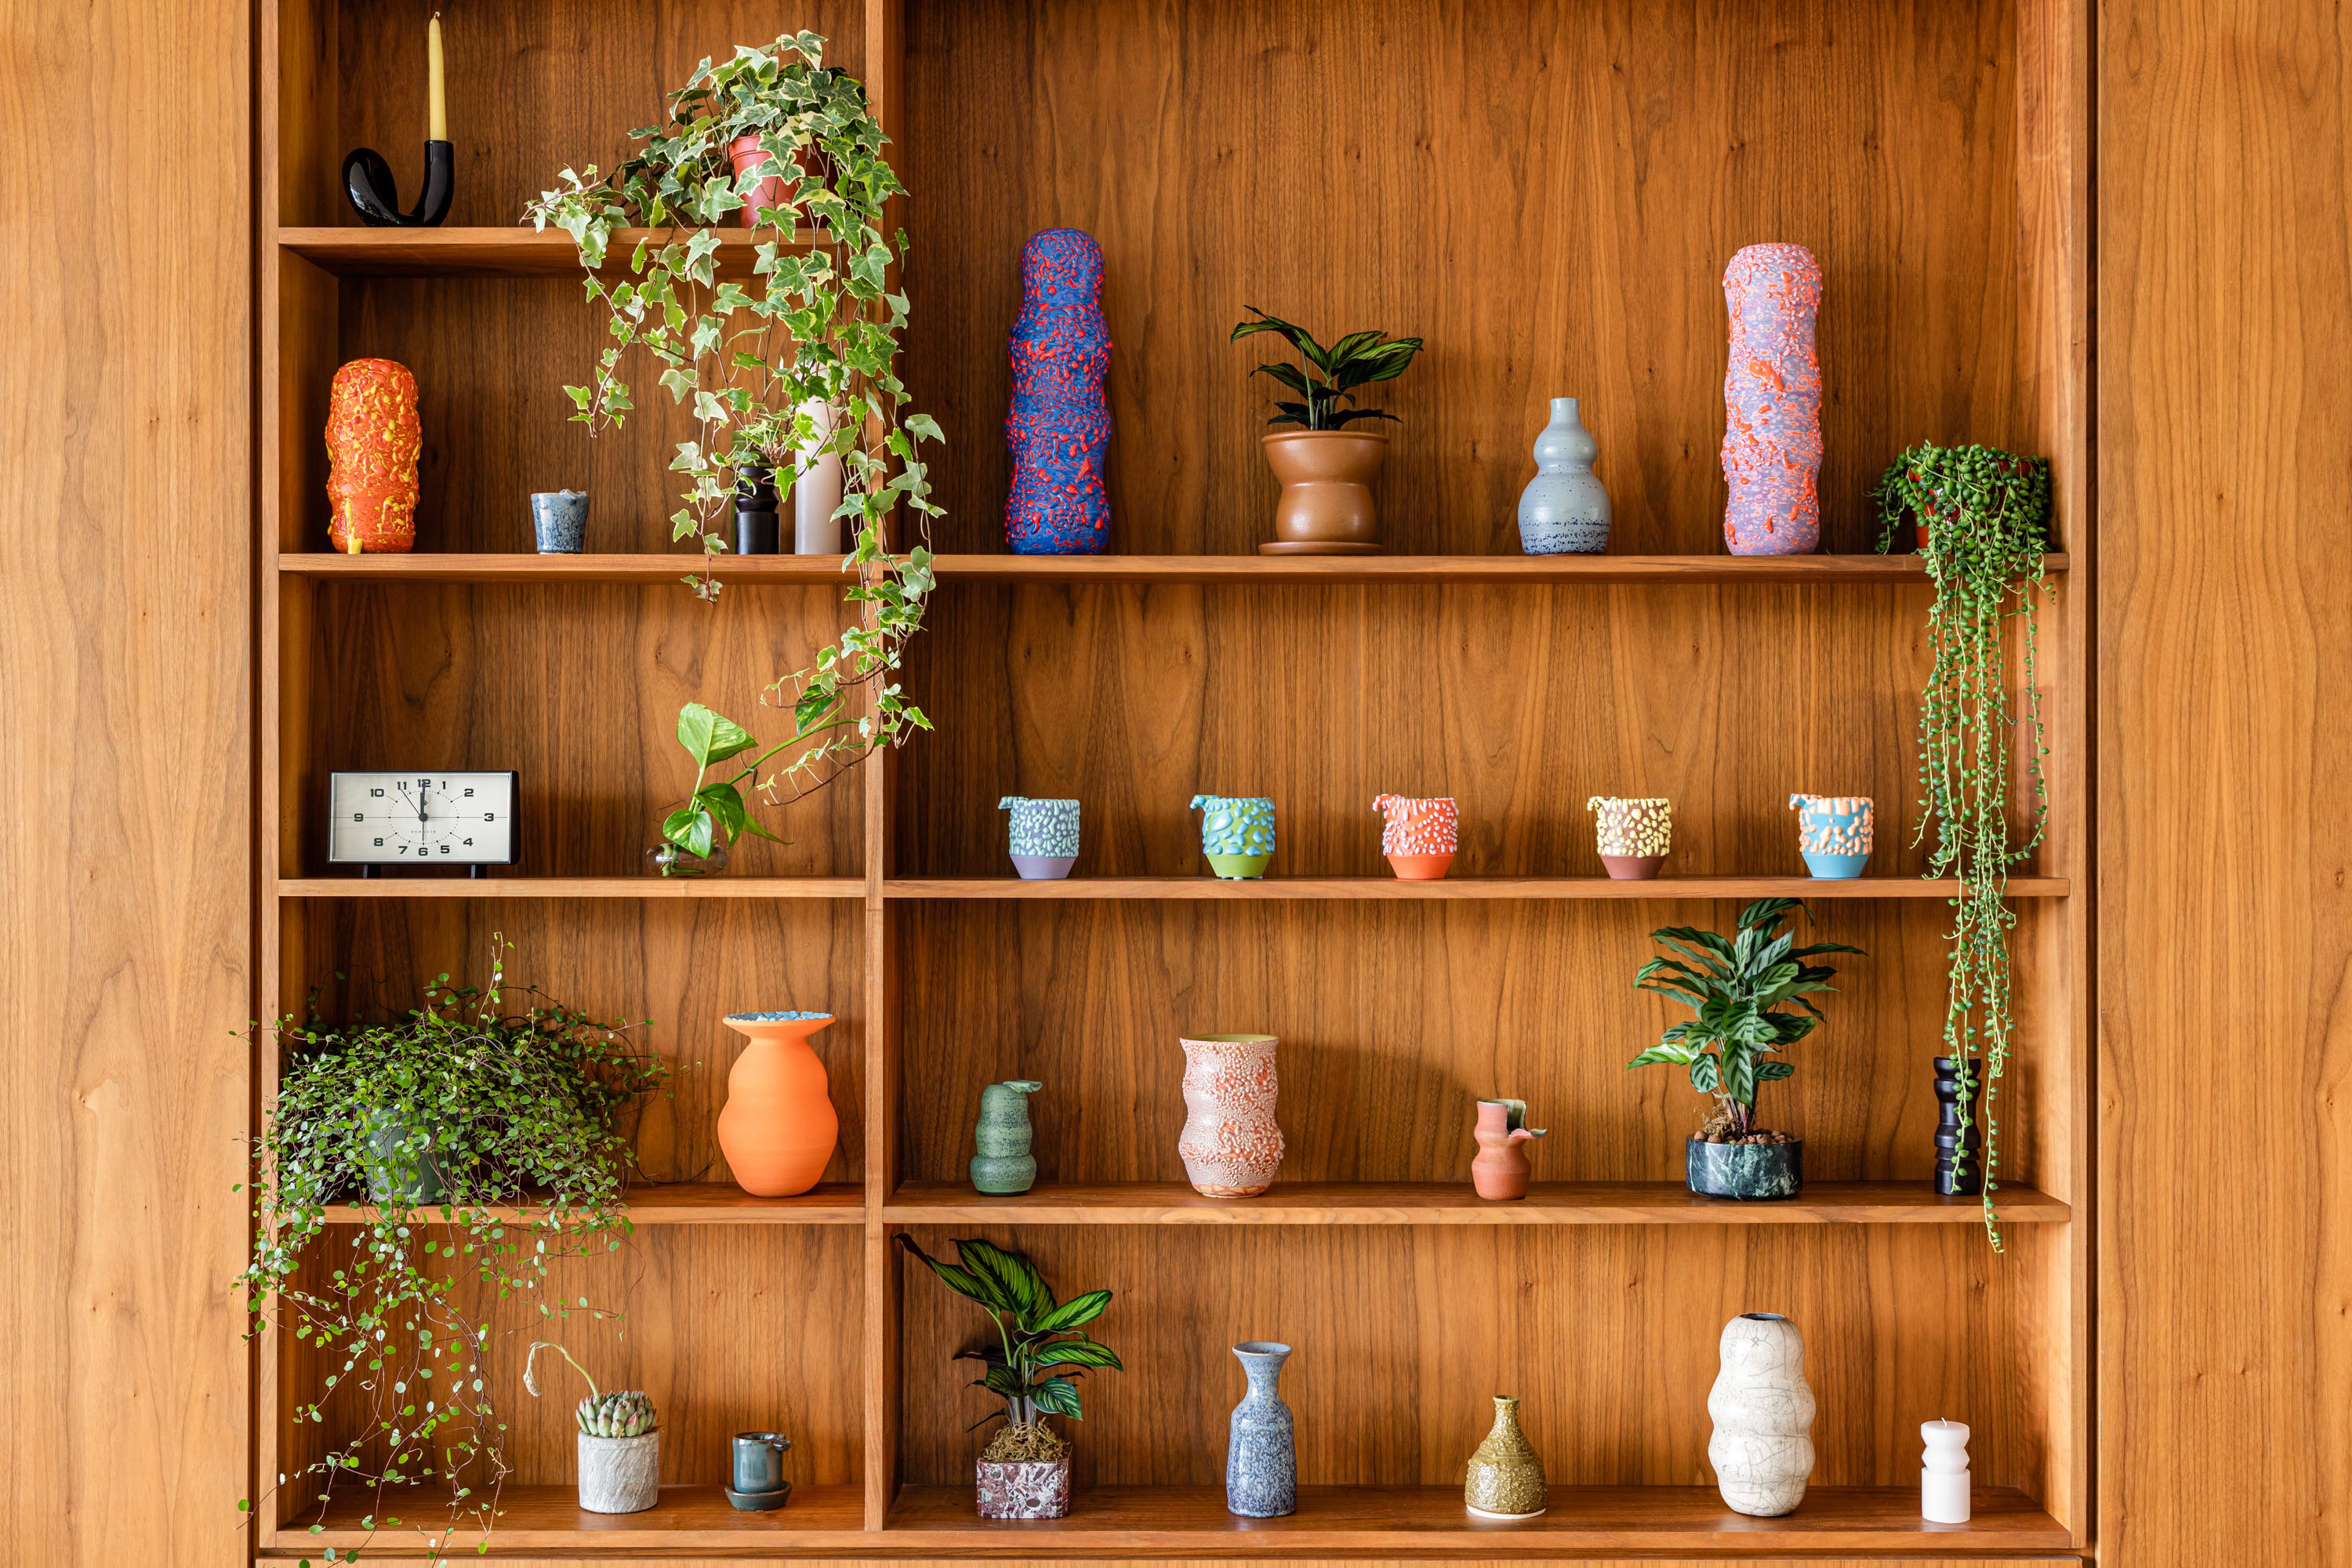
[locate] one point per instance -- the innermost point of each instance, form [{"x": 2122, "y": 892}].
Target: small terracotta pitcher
[{"x": 1500, "y": 1172}]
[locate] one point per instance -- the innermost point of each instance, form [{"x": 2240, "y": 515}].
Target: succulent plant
[{"x": 624, "y": 1414}]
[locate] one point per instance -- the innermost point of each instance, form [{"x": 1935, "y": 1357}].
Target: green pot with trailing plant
[
  {"x": 442, "y": 1119},
  {"x": 619, "y": 1441},
  {"x": 794, "y": 367},
  {"x": 1033, "y": 1363},
  {"x": 1740, "y": 989},
  {"x": 1325, "y": 467},
  {"x": 1982, "y": 519}
]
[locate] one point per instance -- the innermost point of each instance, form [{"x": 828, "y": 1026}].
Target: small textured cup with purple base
[{"x": 1044, "y": 836}]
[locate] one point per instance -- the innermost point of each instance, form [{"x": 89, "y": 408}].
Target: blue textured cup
[
  {"x": 1044, "y": 836},
  {"x": 559, "y": 518},
  {"x": 1236, "y": 834}
]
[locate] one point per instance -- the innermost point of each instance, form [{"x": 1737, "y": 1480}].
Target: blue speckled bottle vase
[{"x": 1262, "y": 1458}]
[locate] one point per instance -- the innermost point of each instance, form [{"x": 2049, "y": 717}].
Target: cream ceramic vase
[
  {"x": 1231, "y": 1145},
  {"x": 619, "y": 1475},
  {"x": 1762, "y": 1449}
]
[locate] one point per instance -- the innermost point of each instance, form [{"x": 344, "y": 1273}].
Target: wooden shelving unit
[{"x": 1937, "y": 171}]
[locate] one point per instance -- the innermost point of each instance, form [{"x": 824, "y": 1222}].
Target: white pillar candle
[{"x": 1943, "y": 1473}]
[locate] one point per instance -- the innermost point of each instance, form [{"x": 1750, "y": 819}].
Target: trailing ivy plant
[
  {"x": 439, "y": 1121},
  {"x": 1039, "y": 1353},
  {"x": 817, "y": 325},
  {"x": 1986, "y": 513}
]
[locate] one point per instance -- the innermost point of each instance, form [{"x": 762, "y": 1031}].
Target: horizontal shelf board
[
  {"x": 1236, "y": 569},
  {"x": 544, "y": 1516},
  {"x": 496, "y": 887},
  {"x": 362, "y": 252},
  {"x": 1660, "y": 889},
  {"x": 1453, "y": 1203},
  {"x": 1126, "y": 1520},
  {"x": 694, "y": 1203}
]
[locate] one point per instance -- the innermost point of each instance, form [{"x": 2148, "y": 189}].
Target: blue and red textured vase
[{"x": 1060, "y": 427}]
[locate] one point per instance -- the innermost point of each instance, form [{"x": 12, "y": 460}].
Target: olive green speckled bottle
[
  {"x": 1003, "y": 1163},
  {"x": 1507, "y": 1480}
]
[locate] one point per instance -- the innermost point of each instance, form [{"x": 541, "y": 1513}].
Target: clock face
[{"x": 422, "y": 818}]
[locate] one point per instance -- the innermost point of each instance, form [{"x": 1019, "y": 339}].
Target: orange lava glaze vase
[
  {"x": 778, "y": 1127},
  {"x": 372, "y": 442}
]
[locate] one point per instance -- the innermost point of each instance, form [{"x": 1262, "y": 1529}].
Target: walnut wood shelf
[
  {"x": 491, "y": 252},
  {"x": 550, "y": 1517},
  {"x": 1453, "y": 1203},
  {"x": 1432, "y": 1522},
  {"x": 690, "y": 1203},
  {"x": 1280, "y": 888},
  {"x": 1338, "y": 570},
  {"x": 572, "y": 888}
]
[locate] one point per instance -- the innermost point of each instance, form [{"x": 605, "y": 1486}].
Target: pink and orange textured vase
[
  {"x": 372, "y": 441},
  {"x": 1419, "y": 836},
  {"x": 1772, "y": 402},
  {"x": 778, "y": 1127},
  {"x": 1231, "y": 1145}
]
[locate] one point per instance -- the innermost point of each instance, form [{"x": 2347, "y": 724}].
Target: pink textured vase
[
  {"x": 1419, "y": 836},
  {"x": 1231, "y": 1144},
  {"x": 1772, "y": 402}
]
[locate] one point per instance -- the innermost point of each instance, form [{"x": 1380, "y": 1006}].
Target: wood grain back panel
[
  {"x": 1547, "y": 194},
  {"x": 1608, "y": 1336},
  {"x": 576, "y": 686},
  {"x": 1393, "y": 1020}
]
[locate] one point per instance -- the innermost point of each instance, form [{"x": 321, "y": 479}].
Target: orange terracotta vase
[
  {"x": 372, "y": 442},
  {"x": 778, "y": 1127},
  {"x": 1500, "y": 1171}
]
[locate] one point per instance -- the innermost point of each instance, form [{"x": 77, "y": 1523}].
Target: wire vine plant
[
  {"x": 1984, "y": 515},
  {"x": 797, "y": 367},
  {"x": 441, "y": 1120}
]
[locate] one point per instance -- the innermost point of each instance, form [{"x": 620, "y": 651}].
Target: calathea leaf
[
  {"x": 1767, "y": 1071},
  {"x": 960, "y": 1281},
  {"x": 1739, "y": 1074},
  {"x": 1075, "y": 1313},
  {"x": 1010, "y": 1272},
  {"x": 1057, "y": 1396},
  {"x": 1703, "y": 1074},
  {"x": 1080, "y": 1353}
]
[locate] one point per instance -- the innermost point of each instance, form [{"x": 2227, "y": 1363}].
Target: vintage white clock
[{"x": 422, "y": 818}]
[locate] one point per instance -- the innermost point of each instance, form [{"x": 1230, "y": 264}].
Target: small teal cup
[
  {"x": 560, "y": 518},
  {"x": 1236, "y": 834},
  {"x": 1834, "y": 834},
  {"x": 1044, "y": 836},
  {"x": 759, "y": 1471}
]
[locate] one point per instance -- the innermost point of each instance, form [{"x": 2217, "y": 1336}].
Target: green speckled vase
[
  {"x": 1507, "y": 1480},
  {"x": 1003, "y": 1163}
]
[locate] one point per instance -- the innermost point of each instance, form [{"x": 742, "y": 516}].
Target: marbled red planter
[
  {"x": 1025, "y": 1488},
  {"x": 1772, "y": 402}
]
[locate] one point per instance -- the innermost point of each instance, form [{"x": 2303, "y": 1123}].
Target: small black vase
[
  {"x": 757, "y": 532},
  {"x": 1960, "y": 1145}
]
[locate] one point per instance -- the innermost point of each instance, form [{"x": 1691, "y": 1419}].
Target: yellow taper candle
[{"x": 436, "y": 99}]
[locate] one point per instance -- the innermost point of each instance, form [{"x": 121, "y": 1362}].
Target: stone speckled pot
[
  {"x": 620, "y": 1475},
  {"x": 1746, "y": 1171},
  {"x": 1507, "y": 1480},
  {"x": 1024, "y": 1489}
]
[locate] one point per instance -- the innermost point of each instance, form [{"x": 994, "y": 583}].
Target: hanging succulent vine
[{"x": 1984, "y": 514}]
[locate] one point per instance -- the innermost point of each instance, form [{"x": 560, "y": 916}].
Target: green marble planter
[{"x": 1746, "y": 1171}]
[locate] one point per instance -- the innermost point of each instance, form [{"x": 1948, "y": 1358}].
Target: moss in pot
[
  {"x": 1739, "y": 987},
  {"x": 1034, "y": 1363}
]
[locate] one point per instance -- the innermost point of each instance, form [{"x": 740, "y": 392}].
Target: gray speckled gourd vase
[
  {"x": 1262, "y": 1454},
  {"x": 1565, "y": 509},
  {"x": 1003, "y": 1163}
]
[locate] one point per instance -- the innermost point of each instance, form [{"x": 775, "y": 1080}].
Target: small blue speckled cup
[{"x": 559, "y": 518}]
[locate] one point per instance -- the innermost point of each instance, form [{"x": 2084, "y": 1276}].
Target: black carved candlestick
[
  {"x": 757, "y": 532},
  {"x": 367, "y": 180},
  {"x": 1960, "y": 1145}
]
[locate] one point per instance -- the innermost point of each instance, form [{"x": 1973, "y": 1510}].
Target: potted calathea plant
[
  {"x": 794, "y": 367},
  {"x": 1740, "y": 987},
  {"x": 1327, "y": 468},
  {"x": 619, "y": 1444},
  {"x": 441, "y": 1120},
  {"x": 1033, "y": 1363}
]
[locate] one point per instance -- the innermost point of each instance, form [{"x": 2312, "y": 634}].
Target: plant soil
[
  {"x": 1715, "y": 1136},
  {"x": 1024, "y": 1442}
]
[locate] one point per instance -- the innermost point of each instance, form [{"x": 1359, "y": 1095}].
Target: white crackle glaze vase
[{"x": 1762, "y": 1449}]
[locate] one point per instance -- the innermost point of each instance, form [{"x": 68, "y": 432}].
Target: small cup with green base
[{"x": 1236, "y": 834}]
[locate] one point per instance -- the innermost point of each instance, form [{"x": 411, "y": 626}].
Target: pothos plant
[
  {"x": 1039, "y": 1355},
  {"x": 440, "y": 1121},
  {"x": 815, "y": 332},
  {"x": 1985, "y": 514}
]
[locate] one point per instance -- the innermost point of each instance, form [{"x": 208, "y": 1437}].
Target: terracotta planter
[
  {"x": 746, "y": 154},
  {"x": 1500, "y": 1172},
  {"x": 1024, "y": 1489},
  {"x": 1231, "y": 1145},
  {"x": 778, "y": 1127},
  {"x": 1419, "y": 836},
  {"x": 1327, "y": 491}
]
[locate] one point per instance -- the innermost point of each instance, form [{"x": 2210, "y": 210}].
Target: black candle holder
[
  {"x": 367, "y": 180},
  {"x": 1960, "y": 1144}
]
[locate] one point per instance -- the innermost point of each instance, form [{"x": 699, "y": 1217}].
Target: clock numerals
[{"x": 456, "y": 819}]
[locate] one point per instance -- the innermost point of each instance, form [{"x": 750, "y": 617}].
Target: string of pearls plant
[{"x": 1986, "y": 513}]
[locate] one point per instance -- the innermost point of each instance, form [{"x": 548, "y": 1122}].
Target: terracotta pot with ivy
[
  {"x": 1032, "y": 1360},
  {"x": 440, "y": 1121},
  {"x": 1982, "y": 519},
  {"x": 776, "y": 141},
  {"x": 1739, "y": 987}
]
